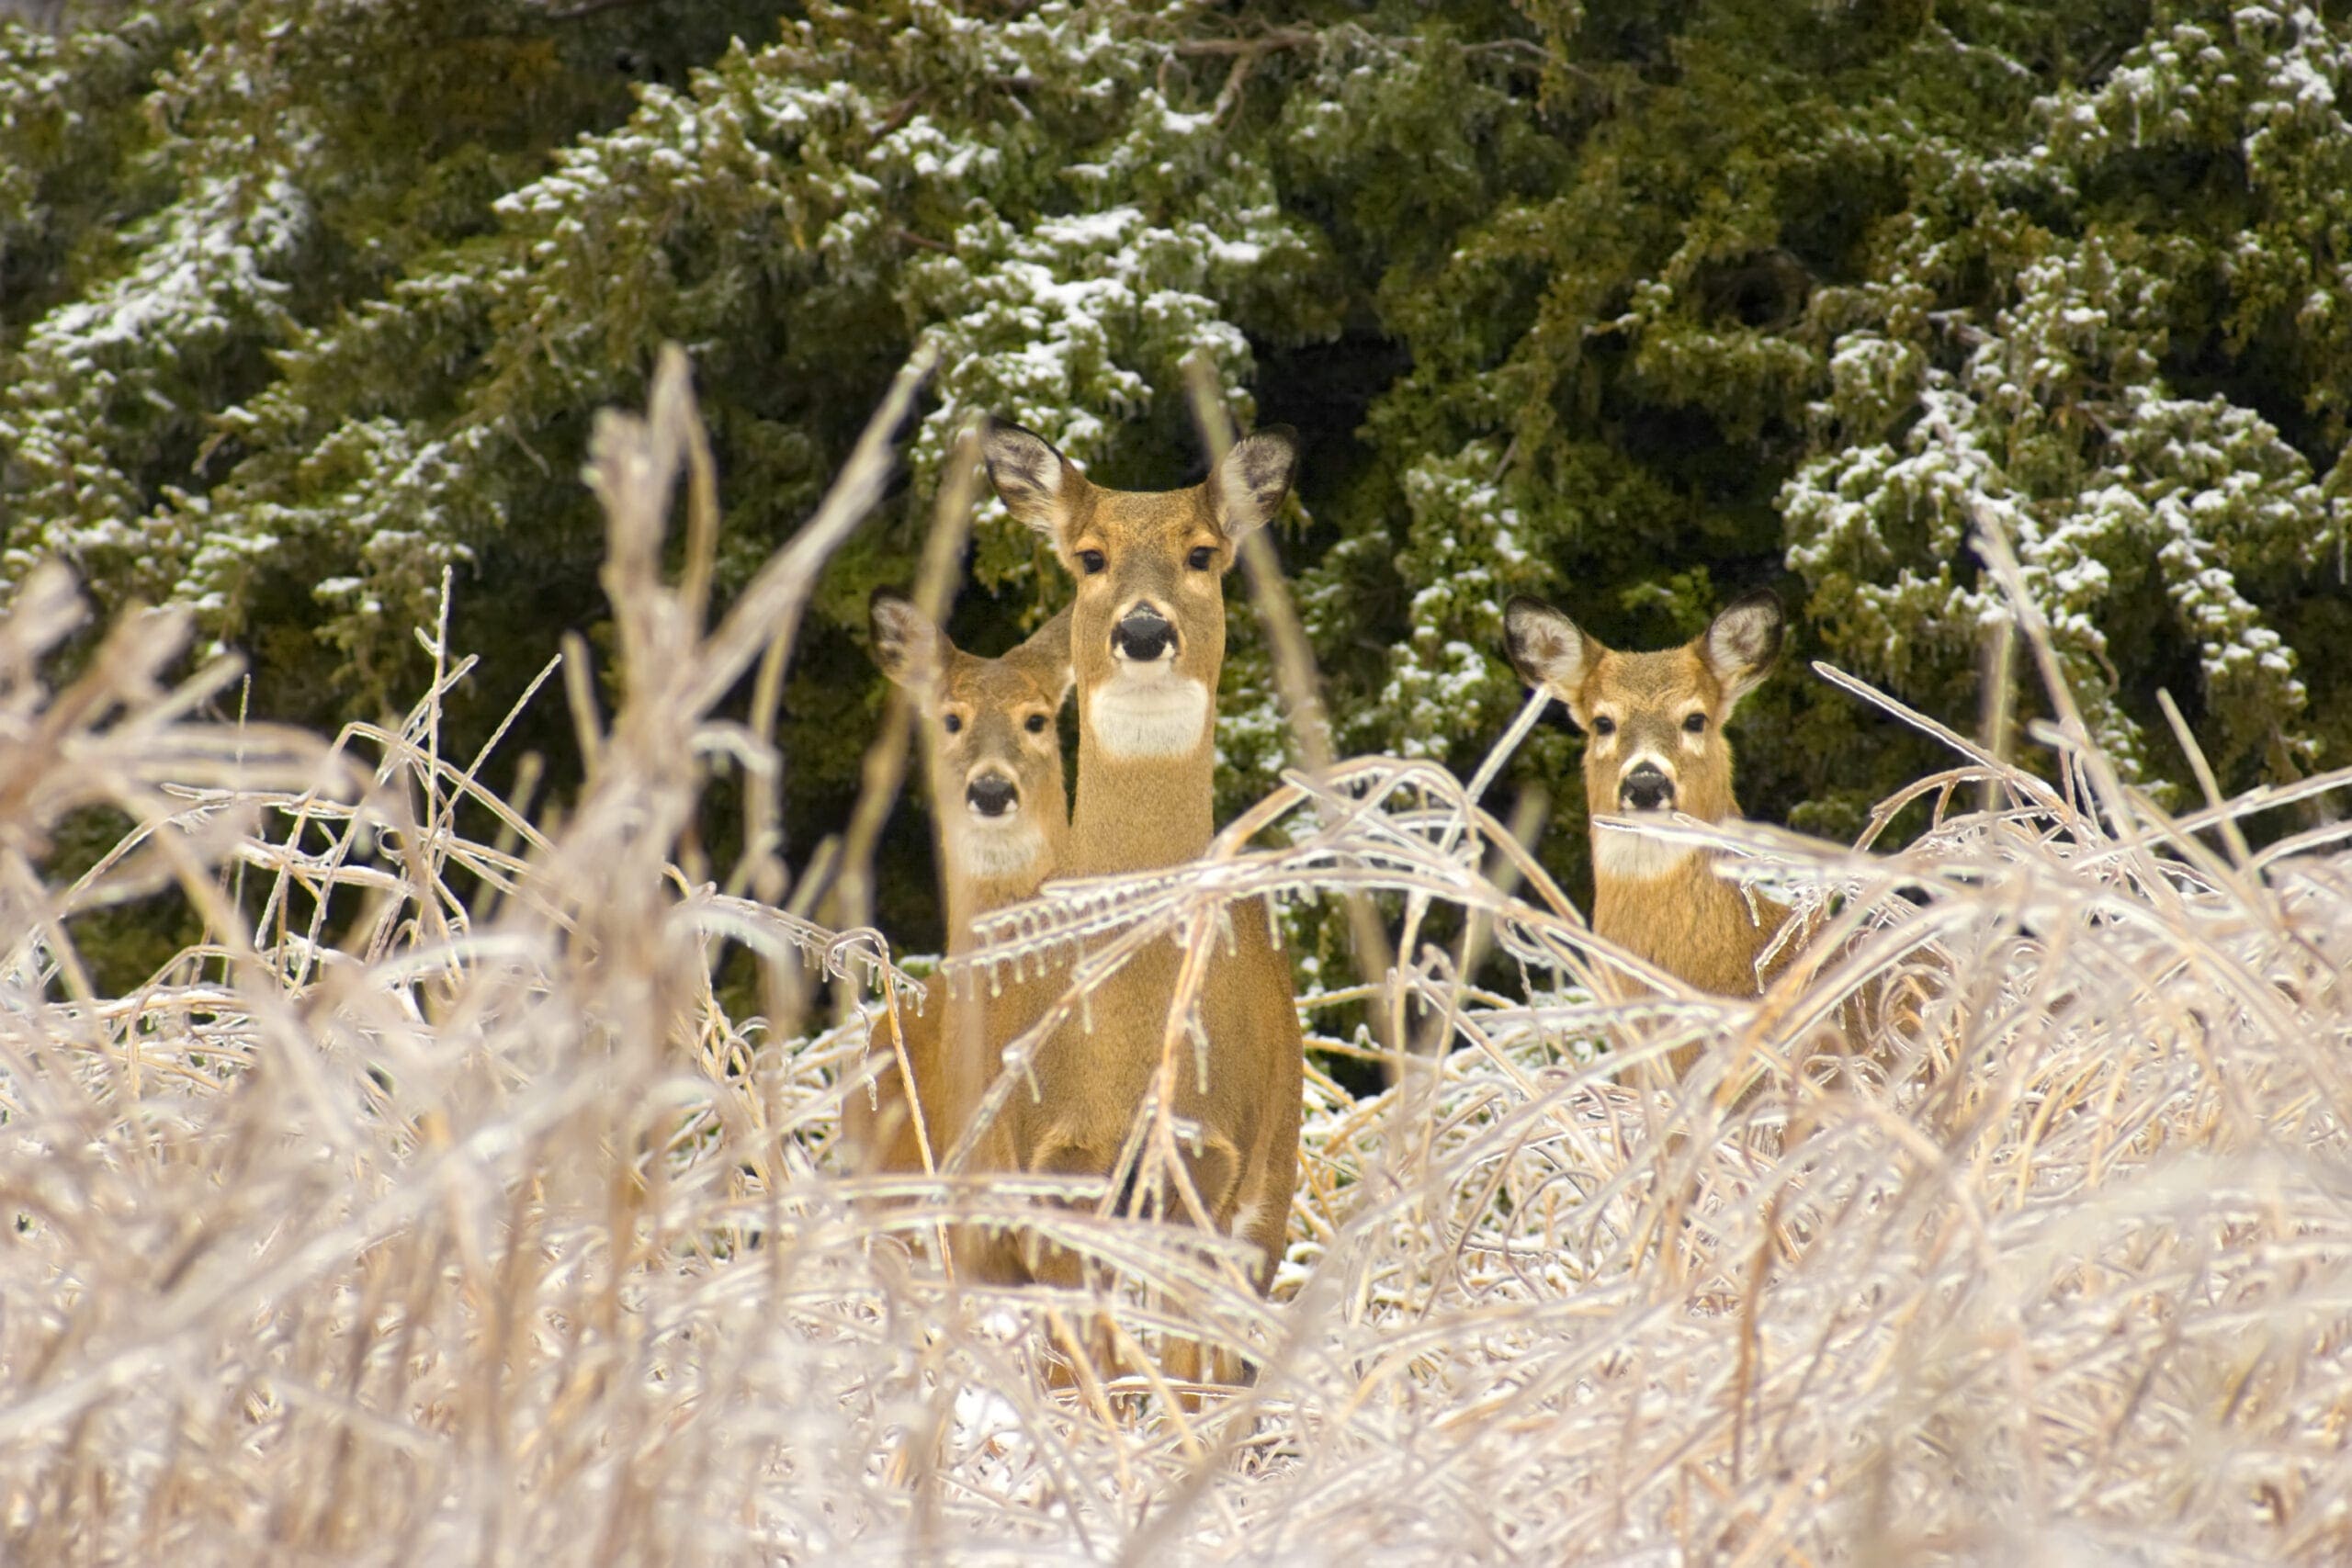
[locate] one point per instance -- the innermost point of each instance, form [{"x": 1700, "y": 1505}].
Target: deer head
[
  {"x": 1147, "y": 627},
  {"x": 994, "y": 751},
  {"x": 1655, "y": 720}
]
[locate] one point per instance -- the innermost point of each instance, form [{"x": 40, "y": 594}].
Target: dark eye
[
  {"x": 1603, "y": 724},
  {"x": 1696, "y": 724},
  {"x": 1037, "y": 723},
  {"x": 951, "y": 724},
  {"x": 1200, "y": 558},
  {"x": 1091, "y": 561}
]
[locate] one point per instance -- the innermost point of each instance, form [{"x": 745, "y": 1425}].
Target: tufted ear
[
  {"x": 907, "y": 644},
  {"x": 1549, "y": 650},
  {"x": 1035, "y": 483},
  {"x": 1742, "y": 642},
  {"x": 1247, "y": 488},
  {"x": 1047, "y": 656}
]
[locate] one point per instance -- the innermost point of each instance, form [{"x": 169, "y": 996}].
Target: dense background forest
[{"x": 1632, "y": 306}]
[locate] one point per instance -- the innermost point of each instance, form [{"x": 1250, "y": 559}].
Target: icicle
[
  {"x": 1008, "y": 1058},
  {"x": 1086, "y": 1012},
  {"x": 1200, "y": 1053},
  {"x": 1225, "y": 928},
  {"x": 995, "y": 981},
  {"x": 1273, "y": 921}
]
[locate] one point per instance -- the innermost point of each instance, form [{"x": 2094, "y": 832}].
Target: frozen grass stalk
[{"x": 460, "y": 1227}]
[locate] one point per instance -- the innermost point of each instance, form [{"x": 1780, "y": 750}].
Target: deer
[
  {"x": 1146, "y": 637},
  {"x": 1655, "y": 746},
  {"x": 994, "y": 765}
]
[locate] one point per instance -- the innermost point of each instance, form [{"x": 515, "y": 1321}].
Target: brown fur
[
  {"x": 952, "y": 1046},
  {"x": 1661, "y": 902},
  {"x": 1144, "y": 802}
]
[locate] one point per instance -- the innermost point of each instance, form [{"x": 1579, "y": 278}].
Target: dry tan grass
[{"x": 450, "y": 1231}]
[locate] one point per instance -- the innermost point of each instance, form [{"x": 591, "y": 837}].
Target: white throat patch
[
  {"x": 1631, "y": 856},
  {"x": 996, "y": 854},
  {"x": 1148, "y": 712}
]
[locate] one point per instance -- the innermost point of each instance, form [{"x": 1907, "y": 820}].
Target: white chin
[
  {"x": 1635, "y": 856},
  {"x": 996, "y": 852},
  {"x": 1158, "y": 714}
]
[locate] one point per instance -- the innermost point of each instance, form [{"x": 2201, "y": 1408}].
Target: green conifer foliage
[{"x": 1631, "y": 306}]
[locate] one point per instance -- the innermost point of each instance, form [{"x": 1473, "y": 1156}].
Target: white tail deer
[
  {"x": 1655, "y": 723},
  {"x": 994, "y": 756},
  {"x": 1147, "y": 643}
]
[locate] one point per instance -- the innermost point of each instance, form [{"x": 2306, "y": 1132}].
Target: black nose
[
  {"x": 1144, "y": 635},
  {"x": 992, "y": 794},
  {"x": 1646, "y": 788}
]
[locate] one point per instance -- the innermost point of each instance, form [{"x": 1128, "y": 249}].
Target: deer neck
[
  {"x": 977, "y": 883},
  {"x": 1140, "y": 812},
  {"x": 1645, "y": 879},
  {"x": 1685, "y": 918}
]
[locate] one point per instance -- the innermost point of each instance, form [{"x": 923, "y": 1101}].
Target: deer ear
[
  {"x": 907, "y": 644},
  {"x": 1549, "y": 650},
  {"x": 1035, "y": 483},
  {"x": 1046, "y": 654},
  {"x": 1247, "y": 488},
  {"x": 1742, "y": 643}
]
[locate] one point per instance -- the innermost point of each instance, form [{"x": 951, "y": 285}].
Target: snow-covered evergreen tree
[{"x": 306, "y": 300}]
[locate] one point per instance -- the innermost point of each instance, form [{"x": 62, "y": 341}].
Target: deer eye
[
  {"x": 952, "y": 723},
  {"x": 1091, "y": 561},
  {"x": 1037, "y": 723},
  {"x": 1603, "y": 724},
  {"x": 1200, "y": 558},
  {"x": 1696, "y": 724}
]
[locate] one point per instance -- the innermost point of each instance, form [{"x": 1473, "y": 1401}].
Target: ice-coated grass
[{"x": 457, "y": 1221}]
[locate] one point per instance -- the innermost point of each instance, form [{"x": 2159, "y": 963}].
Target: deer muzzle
[
  {"x": 1646, "y": 787},
  {"x": 1144, "y": 636},
  {"x": 992, "y": 796}
]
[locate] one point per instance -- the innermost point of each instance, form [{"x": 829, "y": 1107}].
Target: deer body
[
  {"x": 993, "y": 764},
  {"x": 1656, "y": 747},
  {"x": 1146, "y": 645},
  {"x": 1135, "y": 816}
]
